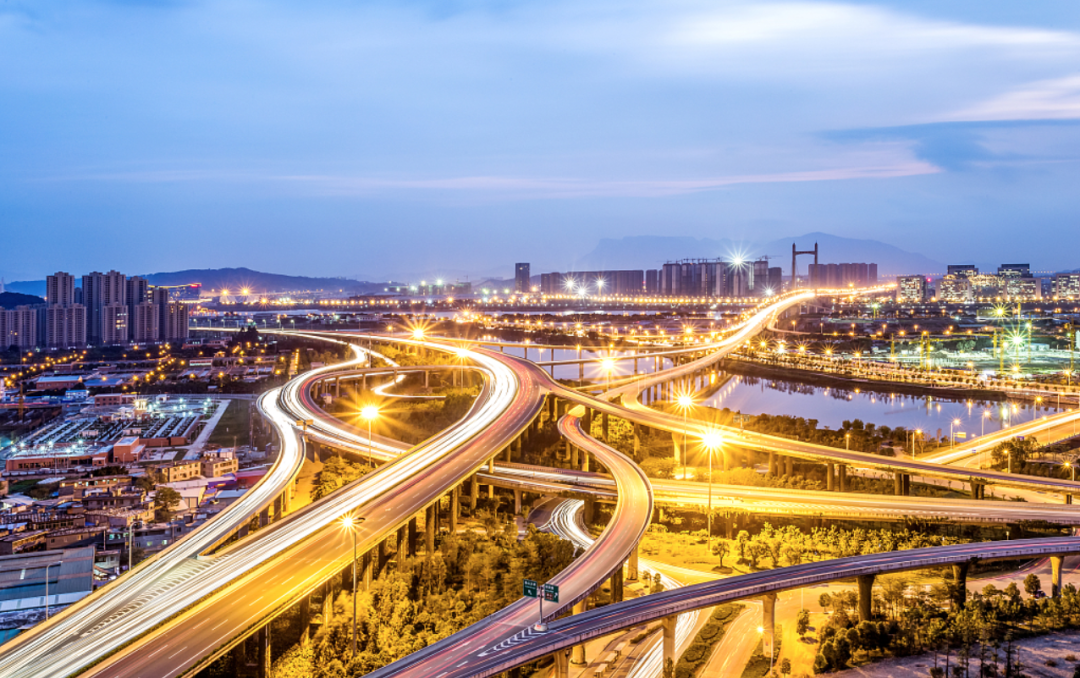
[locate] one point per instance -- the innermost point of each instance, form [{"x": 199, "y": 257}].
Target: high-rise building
[
  {"x": 966, "y": 270},
  {"x": 65, "y": 326},
  {"x": 1019, "y": 270},
  {"x": 522, "y": 279},
  {"x": 652, "y": 281},
  {"x": 99, "y": 291},
  {"x": 60, "y": 289},
  {"x": 776, "y": 279},
  {"x": 956, "y": 289},
  {"x": 174, "y": 324},
  {"x": 911, "y": 289},
  {"x": 871, "y": 274},
  {"x": 1067, "y": 285},
  {"x": 136, "y": 290},
  {"x": 18, "y": 327},
  {"x": 114, "y": 324},
  {"x": 145, "y": 321},
  {"x": 65, "y": 320}
]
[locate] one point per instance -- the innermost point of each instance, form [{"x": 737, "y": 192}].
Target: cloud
[
  {"x": 1057, "y": 99},
  {"x": 510, "y": 187}
]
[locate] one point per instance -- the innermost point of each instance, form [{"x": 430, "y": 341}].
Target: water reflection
[{"x": 831, "y": 406}]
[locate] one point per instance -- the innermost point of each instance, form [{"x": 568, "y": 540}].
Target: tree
[
  {"x": 785, "y": 666},
  {"x": 165, "y": 501},
  {"x": 821, "y": 664},
  {"x": 721, "y": 549},
  {"x": 669, "y": 668},
  {"x": 1032, "y": 585},
  {"x": 824, "y": 600},
  {"x": 659, "y": 467},
  {"x": 802, "y": 622}
]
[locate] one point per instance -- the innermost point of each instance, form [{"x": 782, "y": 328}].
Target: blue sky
[{"x": 378, "y": 138}]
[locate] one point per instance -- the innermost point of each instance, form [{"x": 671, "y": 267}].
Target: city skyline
[{"x": 484, "y": 130}]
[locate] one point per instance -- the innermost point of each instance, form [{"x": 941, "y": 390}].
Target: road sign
[
  {"x": 530, "y": 588},
  {"x": 551, "y": 593}
]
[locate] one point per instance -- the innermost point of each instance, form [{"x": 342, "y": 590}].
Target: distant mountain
[
  {"x": 653, "y": 251},
  {"x": 232, "y": 279},
  {"x": 12, "y": 299}
]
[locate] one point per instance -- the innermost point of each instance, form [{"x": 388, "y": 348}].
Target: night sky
[{"x": 376, "y": 138}]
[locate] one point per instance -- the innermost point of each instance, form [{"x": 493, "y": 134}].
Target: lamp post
[
  {"x": 712, "y": 442},
  {"x": 368, "y": 413},
  {"x": 986, "y": 415},
  {"x": 353, "y": 525},
  {"x": 1069, "y": 465},
  {"x": 59, "y": 562},
  {"x": 685, "y": 403},
  {"x": 847, "y": 441},
  {"x": 952, "y": 436}
]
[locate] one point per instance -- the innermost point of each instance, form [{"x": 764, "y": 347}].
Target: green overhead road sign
[
  {"x": 551, "y": 593},
  {"x": 530, "y": 588}
]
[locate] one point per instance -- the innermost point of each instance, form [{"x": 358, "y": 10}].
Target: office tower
[
  {"x": 521, "y": 278},
  {"x": 962, "y": 269},
  {"x": 911, "y": 289}
]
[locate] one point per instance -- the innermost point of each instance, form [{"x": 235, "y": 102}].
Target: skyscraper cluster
[{"x": 109, "y": 309}]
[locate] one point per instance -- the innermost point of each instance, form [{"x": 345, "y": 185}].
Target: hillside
[{"x": 13, "y": 299}]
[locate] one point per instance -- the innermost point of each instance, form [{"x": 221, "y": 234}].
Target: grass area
[
  {"x": 699, "y": 651},
  {"x": 22, "y": 486},
  {"x": 759, "y": 664},
  {"x": 234, "y": 425}
]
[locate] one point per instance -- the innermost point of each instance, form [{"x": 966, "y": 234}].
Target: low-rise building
[
  {"x": 22, "y": 541},
  {"x": 178, "y": 470},
  {"x": 217, "y": 467}
]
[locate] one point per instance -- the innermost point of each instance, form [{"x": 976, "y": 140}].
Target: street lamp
[
  {"x": 761, "y": 630},
  {"x": 353, "y": 525},
  {"x": 608, "y": 365},
  {"x": 986, "y": 415},
  {"x": 952, "y": 436},
  {"x": 59, "y": 562},
  {"x": 712, "y": 442},
  {"x": 847, "y": 441},
  {"x": 916, "y": 432},
  {"x": 685, "y": 403},
  {"x": 369, "y": 413},
  {"x": 1072, "y": 468}
]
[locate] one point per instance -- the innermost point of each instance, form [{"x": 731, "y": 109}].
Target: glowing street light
[
  {"x": 369, "y": 413},
  {"x": 685, "y": 403}
]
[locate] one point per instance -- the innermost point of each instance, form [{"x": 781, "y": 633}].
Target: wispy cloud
[
  {"x": 510, "y": 187},
  {"x": 1056, "y": 99}
]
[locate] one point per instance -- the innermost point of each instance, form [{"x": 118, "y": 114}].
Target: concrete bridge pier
[
  {"x": 585, "y": 461},
  {"x": 517, "y": 502},
  {"x": 586, "y": 422},
  {"x": 617, "y": 585},
  {"x": 590, "y": 509},
  {"x": 577, "y": 653},
  {"x": 842, "y": 477},
  {"x": 632, "y": 564},
  {"x": 474, "y": 493},
  {"x": 669, "y": 639},
  {"x": 768, "y": 623},
  {"x": 562, "y": 664},
  {"x": 367, "y": 567},
  {"x": 960, "y": 573},
  {"x": 1055, "y": 575},
  {"x": 429, "y": 529},
  {"x": 328, "y": 602},
  {"x": 263, "y": 651},
  {"x": 573, "y": 452},
  {"x": 789, "y": 466},
  {"x": 637, "y": 441},
  {"x": 604, "y": 427},
  {"x": 1068, "y": 498},
  {"x": 455, "y": 508},
  {"x": 264, "y": 517},
  {"x": 772, "y": 464},
  {"x": 414, "y": 534},
  {"x": 305, "y": 620},
  {"x": 402, "y": 544},
  {"x": 866, "y": 596},
  {"x": 491, "y": 469},
  {"x": 569, "y": 449},
  {"x": 830, "y": 476},
  {"x": 978, "y": 490}
]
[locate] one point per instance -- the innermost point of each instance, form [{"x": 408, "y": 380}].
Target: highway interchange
[{"x": 184, "y": 607}]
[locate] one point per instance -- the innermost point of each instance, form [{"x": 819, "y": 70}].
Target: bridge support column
[
  {"x": 669, "y": 639},
  {"x": 264, "y": 651},
  {"x": 604, "y": 426},
  {"x": 1068, "y": 499},
  {"x": 898, "y": 484},
  {"x": 517, "y": 502},
  {"x": 768, "y": 623},
  {"x": 264, "y": 517},
  {"x": 772, "y": 464},
  {"x": 574, "y": 461},
  {"x": 305, "y": 620},
  {"x": 637, "y": 439},
  {"x": 842, "y": 477},
  {"x": 978, "y": 490},
  {"x": 429, "y": 529},
  {"x": 569, "y": 449},
  {"x": 789, "y": 466},
  {"x": 455, "y": 508},
  {"x": 577, "y": 653},
  {"x": 474, "y": 493},
  {"x": 367, "y": 567},
  {"x": 491, "y": 469},
  {"x": 328, "y": 602},
  {"x": 562, "y": 664},
  {"x": 414, "y": 534},
  {"x": 590, "y": 509},
  {"x": 632, "y": 564},
  {"x": 617, "y": 585},
  {"x": 585, "y": 461},
  {"x": 402, "y": 545},
  {"x": 586, "y": 422},
  {"x": 866, "y": 595},
  {"x": 960, "y": 573},
  {"x": 1055, "y": 575}
]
